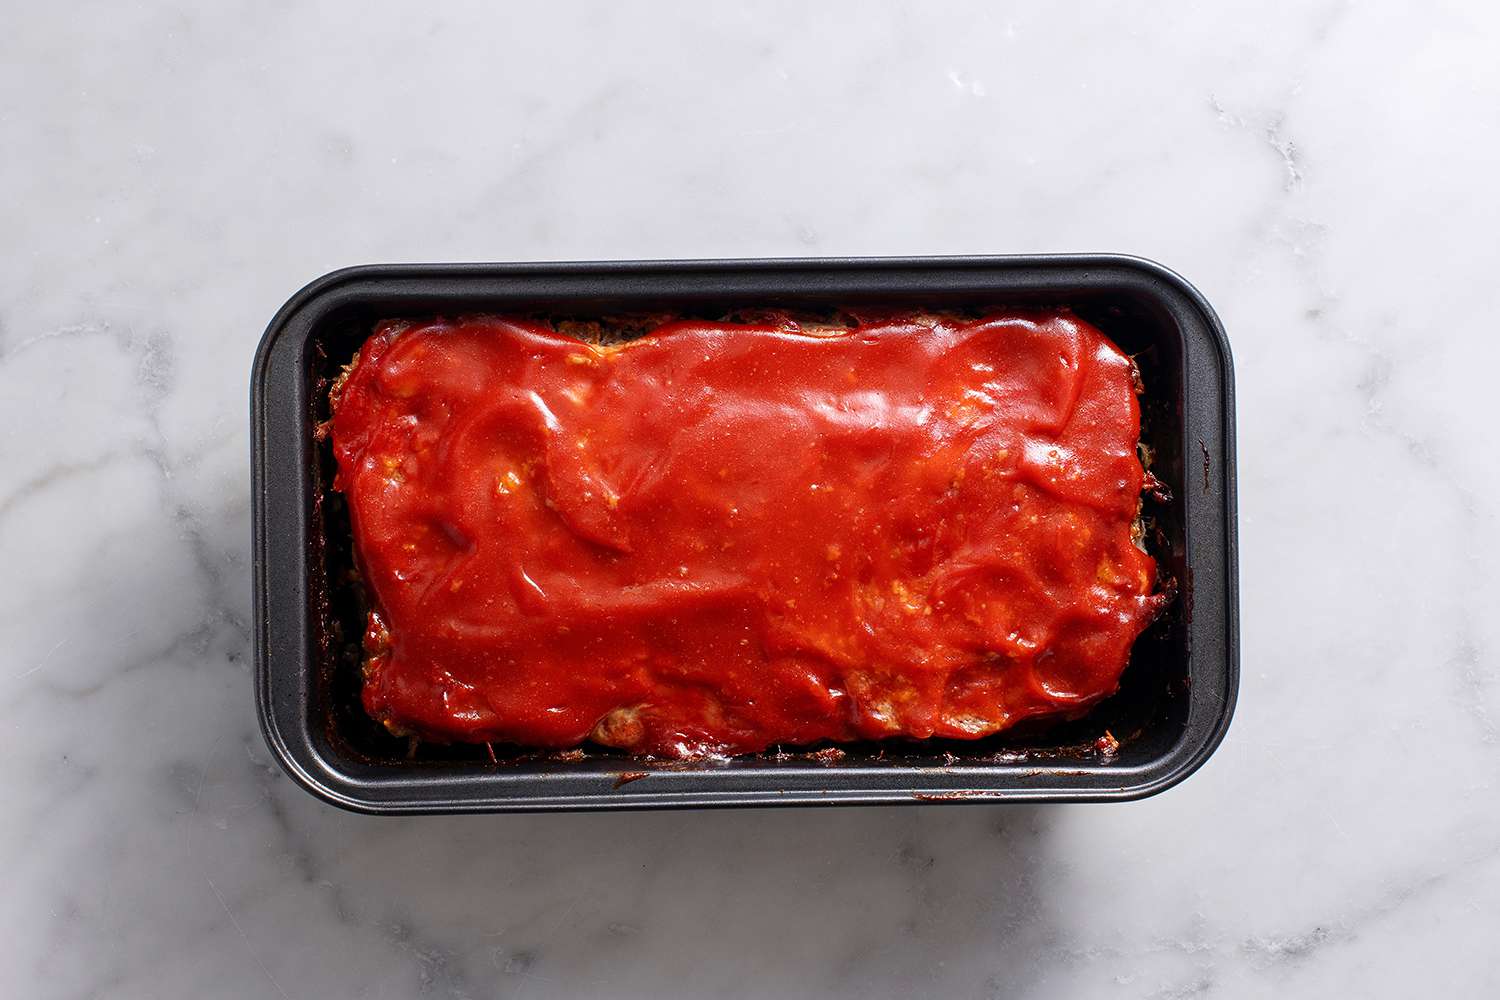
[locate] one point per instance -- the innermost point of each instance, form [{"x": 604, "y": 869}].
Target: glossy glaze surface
[{"x": 720, "y": 537}]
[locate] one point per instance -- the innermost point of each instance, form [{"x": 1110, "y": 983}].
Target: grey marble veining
[{"x": 1325, "y": 172}]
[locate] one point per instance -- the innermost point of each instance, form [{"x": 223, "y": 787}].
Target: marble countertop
[{"x": 1324, "y": 172}]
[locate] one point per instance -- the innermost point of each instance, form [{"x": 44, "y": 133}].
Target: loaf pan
[{"x": 1176, "y": 696}]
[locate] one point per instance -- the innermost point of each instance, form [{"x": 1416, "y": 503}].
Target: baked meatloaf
[{"x": 723, "y": 536}]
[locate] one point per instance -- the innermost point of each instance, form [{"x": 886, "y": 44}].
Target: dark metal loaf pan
[{"x": 1177, "y": 694}]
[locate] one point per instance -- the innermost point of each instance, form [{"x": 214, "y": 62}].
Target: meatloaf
[{"x": 720, "y": 537}]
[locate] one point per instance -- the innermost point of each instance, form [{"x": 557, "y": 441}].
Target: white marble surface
[{"x": 1325, "y": 172}]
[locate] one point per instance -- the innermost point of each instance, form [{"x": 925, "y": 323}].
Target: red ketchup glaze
[{"x": 722, "y": 536}]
